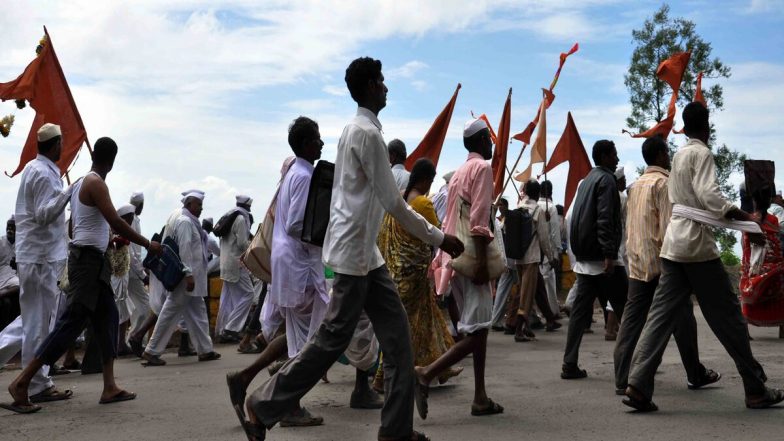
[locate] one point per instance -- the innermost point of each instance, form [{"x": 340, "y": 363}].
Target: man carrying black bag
[{"x": 363, "y": 189}]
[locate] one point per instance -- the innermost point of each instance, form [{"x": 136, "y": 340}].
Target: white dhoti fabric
[
  {"x": 548, "y": 274},
  {"x": 193, "y": 311},
  {"x": 235, "y": 302},
  {"x": 475, "y": 303},
  {"x": 39, "y": 297},
  {"x": 10, "y": 340},
  {"x": 120, "y": 288},
  {"x": 271, "y": 319},
  {"x": 362, "y": 352},
  {"x": 138, "y": 302},
  {"x": 303, "y": 322}
]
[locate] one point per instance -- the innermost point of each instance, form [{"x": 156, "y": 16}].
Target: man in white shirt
[
  {"x": 138, "y": 299},
  {"x": 237, "y": 293},
  {"x": 397, "y": 158},
  {"x": 690, "y": 264},
  {"x": 213, "y": 247},
  {"x": 187, "y": 299},
  {"x": 363, "y": 190},
  {"x": 10, "y": 335},
  {"x": 554, "y": 230}
]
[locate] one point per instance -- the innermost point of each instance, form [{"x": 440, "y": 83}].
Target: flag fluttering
[
  {"x": 501, "y": 146},
  {"x": 44, "y": 86},
  {"x": 671, "y": 72},
  {"x": 570, "y": 149},
  {"x": 493, "y": 136},
  {"x": 431, "y": 144},
  {"x": 698, "y": 93},
  {"x": 525, "y": 135},
  {"x": 539, "y": 148}
]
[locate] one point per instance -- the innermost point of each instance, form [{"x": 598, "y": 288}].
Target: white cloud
[
  {"x": 335, "y": 90},
  {"x": 763, "y": 6},
  {"x": 407, "y": 70}
]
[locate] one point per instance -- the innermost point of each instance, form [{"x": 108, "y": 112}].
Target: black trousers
[{"x": 253, "y": 325}]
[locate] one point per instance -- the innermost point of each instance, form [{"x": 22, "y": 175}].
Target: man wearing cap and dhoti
[
  {"x": 138, "y": 299},
  {"x": 120, "y": 259},
  {"x": 187, "y": 299},
  {"x": 237, "y": 294}
]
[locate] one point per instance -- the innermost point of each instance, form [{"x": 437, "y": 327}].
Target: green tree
[{"x": 660, "y": 37}]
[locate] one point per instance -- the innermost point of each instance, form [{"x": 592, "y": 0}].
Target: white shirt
[
  {"x": 401, "y": 176},
  {"x": 137, "y": 268},
  {"x": 554, "y": 225},
  {"x": 191, "y": 247},
  {"x": 7, "y": 274},
  {"x": 778, "y": 211},
  {"x": 40, "y": 218},
  {"x": 233, "y": 245},
  {"x": 439, "y": 202},
  {"x": 363, "y": 189},
  {"x": 296, "y": 265},
  {"x": 540, "y": 243}
]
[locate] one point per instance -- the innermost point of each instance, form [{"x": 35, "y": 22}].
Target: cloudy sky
[{"x": 200, "y": 93}]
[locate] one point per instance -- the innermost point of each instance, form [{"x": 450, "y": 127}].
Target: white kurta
[
  {"x": 138, "y": 301},
  {"x": 401, "y": 176},
  {"x": 545, "y": 268},
  {"x": 8, "y": 275},
  {"x": 237, "y": 293}
]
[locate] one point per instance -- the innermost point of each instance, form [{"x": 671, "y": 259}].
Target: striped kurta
[{"x": 648, "y": 212}]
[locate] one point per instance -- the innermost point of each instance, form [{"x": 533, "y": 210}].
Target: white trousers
[
  {"x": 235, "y": 302},
  {"x": 120, "y": 288},
  {"x": 193, "y": 310},
  {"x": 138, "y": 302},
  {"x": 271, "y": 319},
  {"x": 548, "y": 274},
  {"x": 38, "y": 300},
  {"x": 303, "y": 322},
  {"x": 10, "y": 340}
]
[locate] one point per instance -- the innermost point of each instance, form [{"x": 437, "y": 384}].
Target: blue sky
[{"x": 200, "y": 93}]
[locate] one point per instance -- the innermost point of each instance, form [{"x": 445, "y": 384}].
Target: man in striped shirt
[{"x": 649, "y": 209}]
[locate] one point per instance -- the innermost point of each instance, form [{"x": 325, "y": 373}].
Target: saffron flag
[
  {"x": 431, "y": 144},
  {"x": 698, "y": 94},
  {"x": 501, "y": 147},
  {"x": 493, "y": 136},
  {"x": 570, "y": 149},
  {"x": 43, "y": 85},
  {"x": 539, "y": 148},
  {"x": 525, "y": 135}
]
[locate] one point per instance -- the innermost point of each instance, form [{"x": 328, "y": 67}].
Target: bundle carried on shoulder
[{"x": 223, "y": 227}]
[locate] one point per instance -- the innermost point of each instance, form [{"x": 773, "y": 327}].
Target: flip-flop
[
  {"x": 236, "y": 395},
  {"x": 252, "y": 349},
  {"x": 492, "y": 408},
  {"x": 415, "y": 436},
  {"x": 640, "y": 405},
  {"x": 771, "y": 397},
  {"x": 121, "y": 396},
  {"x": 421, "y": 392},
  {"x": 254, "y": 432},
  {"x": 50, "y": 395},
  {"x": 21, "y": 409}
]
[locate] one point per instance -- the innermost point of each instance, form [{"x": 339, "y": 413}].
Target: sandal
[
  {"x": 120, "y": 396},
  {"x": 421, "y": 392},
  {"x": 638, "y": 403},
  {"x": 236, "y": 395},
  {"x": 492, "y": 408},
  {"x": 415, "y": 436},
  {"x": 253, "y": 348},
  {"x": 210, "y": 356},
  {"x": 23, "y": 409},
  {"x": 51, "y": 394},
  {"x": 254, "y": 432},
  {"x": 708, "y": 377},
  {"x": 152, "y": 360},
  {"x": 771, "y": 397}
]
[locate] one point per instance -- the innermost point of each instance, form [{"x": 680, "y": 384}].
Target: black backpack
[
  {"x": 519, "y": 232},
  {"x": 314, "y": 226},
  {"x": 225, "y": 223}
]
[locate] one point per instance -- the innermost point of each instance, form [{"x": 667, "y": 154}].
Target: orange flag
[
  {"x": 43, "y": 85},
  {"x": 539, "y": 148},
  {"x": 501, "y": 147},
  {"x": 570, "y": 149},
  {"x": 671, "y": 72},
  {"x": 431, "y": 144},
  {"x": 525, "y": 135},
  {"x": 698, "y": 94},
  {"x": 493, "y": 136}
]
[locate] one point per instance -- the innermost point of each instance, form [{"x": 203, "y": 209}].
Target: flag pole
[{"x": 520, "y": 156}]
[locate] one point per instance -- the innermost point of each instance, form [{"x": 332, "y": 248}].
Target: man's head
[
  {"x": 365, "y": 82},
  {"x": 532, "y": 189},
  {"x": 207, "y": 224},
  {"x": 604, "y": 154},
  {"x": 104, "y": 152},
  {"x": 762, "y": 198},
  {"x": 620, "y": 178},
  {"x": 244, "y": 201},
  {"x": 137, "y": 200},
  {"x": 305, "y": 139},
  {"x": 476, "y": 138},
  {"x": 656, "y": 153},
  {"x": 10, "y": 229},
  {"x": 192, "y": 200},
  {"x": 559, "y": 209},
  {"x": 696, "y": 121},
  {"x": 503, "y": 206},
  {"x": 50, "y": 141},
  {"x": 397, "y": 152},
  {"x": 126, "y": 212},
  {"x": 547, "y": 189}
]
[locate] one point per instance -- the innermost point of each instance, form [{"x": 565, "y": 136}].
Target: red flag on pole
[
  {"x": 698, "y": 94},
  {"x": 570, "y": 149},
  {"x": 539, "y": 148},
  {"x": 43, "y": 85},
  {"x": 493, "y": 136},
  {"x": 431, "y": 144},
  {"x": 501, "y": 147}
]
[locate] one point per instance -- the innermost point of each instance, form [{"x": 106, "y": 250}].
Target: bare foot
[
  {"x": 19, "y": 393},
  {"x": 420, "y": 375}
]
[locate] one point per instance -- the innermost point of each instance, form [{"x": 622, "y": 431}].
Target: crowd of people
[{"x": 408, "y": 282}]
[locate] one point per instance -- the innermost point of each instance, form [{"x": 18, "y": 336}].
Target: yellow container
[{"x": 214, "y": 288}]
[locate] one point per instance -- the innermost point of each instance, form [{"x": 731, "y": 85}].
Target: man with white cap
[
  {"x": 187, "y": 299},
  {"x": 471, "y": 184},
  {"x": 237, "y": 293},
  {"x": 139, "y": 300},
  {"x": 40, "y": 253}
]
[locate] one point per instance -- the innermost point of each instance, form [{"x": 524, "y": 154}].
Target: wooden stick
[{"x": 520, "y": 156}]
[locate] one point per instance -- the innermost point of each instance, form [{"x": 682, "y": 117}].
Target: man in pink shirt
[{"x": 472, "y": 182}]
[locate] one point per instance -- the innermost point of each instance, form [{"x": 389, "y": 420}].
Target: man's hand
[
  {"x": 452, "y": 246},
  {"x": 609, "y": 265},
  {"x": 155, "y": 248}
]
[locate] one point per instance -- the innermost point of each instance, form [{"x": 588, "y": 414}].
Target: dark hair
[
  {"x": 45, "y": 146},
  {"x": 301, "y": 130},
  {"x": 695, "y": 118},
  {"x": 474, "y": 142},
  {"x": 547, "y": 189},
  {"x": 533, "y": 189},
  {"x": 559, "y": 209},
  {"x": 601, "y": 148},
  {"x": 359, "y": 73},
  {"x": 104, "y": 151},
  {"x": 762, "y": 198},
  {"x": 398, "y": 148},
  {"x": 503, "y": 201},
  {"x": 423, "y": 170},
  {"x": 652, "y": 147}
]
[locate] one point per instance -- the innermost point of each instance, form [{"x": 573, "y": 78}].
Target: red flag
[
  {"x": 493, "y": 136},
  {"x": 525, "y": 135},
  {"x": 570, "y": 149},
  {"x": 431, "y": 144},
  {"x": 43, "y": 85},
  {"x": 539, "y": 148},
  {"x": 698, "y": 94},
  {"x": 499, "y": 155}
]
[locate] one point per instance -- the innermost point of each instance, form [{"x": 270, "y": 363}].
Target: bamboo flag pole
[{"x": 520, "y": 156}]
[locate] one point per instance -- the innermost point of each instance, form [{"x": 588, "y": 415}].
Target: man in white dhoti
[
  {"x": 237, "y": 293},
  {"x": 120, "y": 257},
  {"x": 40, "y": 254},
  {"x": 138, "y": 299},
  {"x": 554, "y": 229}
]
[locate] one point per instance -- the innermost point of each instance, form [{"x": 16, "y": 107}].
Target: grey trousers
[
  {"x": 638, "y": 303},
  {"x": 610, "y": 288},
  {"x": 509, "y": 278},
  {"x": 720, "y": 306},
  {"x": 376, "y": 293}
]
